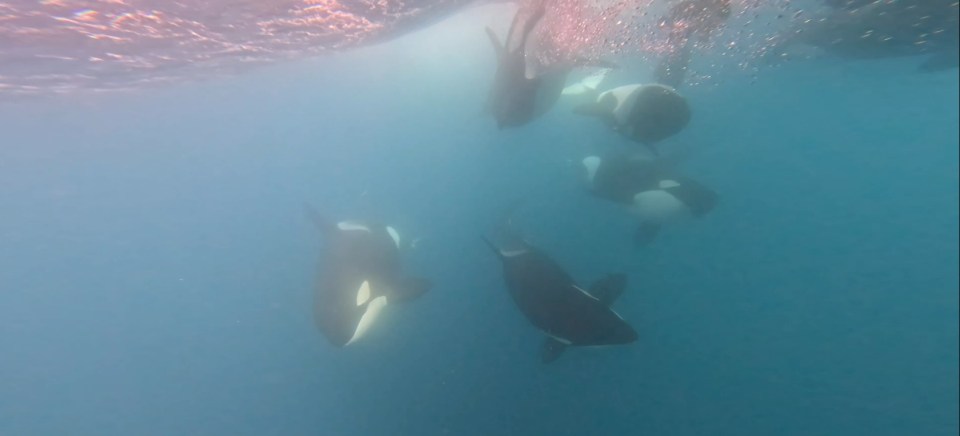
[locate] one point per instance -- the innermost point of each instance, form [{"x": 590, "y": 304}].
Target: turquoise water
[{"x": 156, "y": 270}]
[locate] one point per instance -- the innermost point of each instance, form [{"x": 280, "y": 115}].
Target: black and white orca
[
  {"x": 643, "y": 113},
  {"x": 552, "y": 301},
  {"x": 360, "y": 273},
  {"x": 651, "y": 188}
]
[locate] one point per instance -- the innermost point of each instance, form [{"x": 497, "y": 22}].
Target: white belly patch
[
  {"x": 369, "y": 317},
  {"x": 658, "y": 206}
]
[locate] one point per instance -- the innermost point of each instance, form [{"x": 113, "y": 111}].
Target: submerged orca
[
  {"x": 519, "y": 92},
  {"x": 552, "y": 301},
  {"x": 359, "y": 274},
  {"x": 652, "y": 189},
  {"x": 643, "y": 113}
]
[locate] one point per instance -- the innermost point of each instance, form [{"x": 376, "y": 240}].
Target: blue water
[{"x": 156, "y": 271}]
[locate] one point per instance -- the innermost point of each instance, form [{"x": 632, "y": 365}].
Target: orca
[
  {"x": 646, "y": 114},
  {"x": 652, "y": 189},
  {"x": 360, "y": 273},
  {"x": 521, "y": 93},
  {"x": 569, "y": 315},
  {"x": 524, "y": 89}
]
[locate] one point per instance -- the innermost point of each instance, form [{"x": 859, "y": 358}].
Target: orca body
[
  {"x": 519, "y": 92},
  {"x": 552, "y": 301},
  {"x": 360, "y": 273},
  {"x": 646, "y": 114},
  {"x": 652, "y": 190}
]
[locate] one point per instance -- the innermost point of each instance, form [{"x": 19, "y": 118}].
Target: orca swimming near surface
[
  {"x": 519, "y": 92},
  {"x": 523, "y": 88},
  {"x": 552, "y": 301},
  {"x": 651, "y": 188},
  {"x": 359, "y": 275},
  {"x": 646, "y": 114}
]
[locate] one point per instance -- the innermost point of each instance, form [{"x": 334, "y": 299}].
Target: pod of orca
[{"x": 360, "y": 272}]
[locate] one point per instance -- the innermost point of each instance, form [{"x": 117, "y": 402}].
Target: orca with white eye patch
[{"x": 360, "y": 274}]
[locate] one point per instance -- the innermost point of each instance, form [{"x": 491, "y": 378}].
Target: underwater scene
[{"x": 479, "y": 217}]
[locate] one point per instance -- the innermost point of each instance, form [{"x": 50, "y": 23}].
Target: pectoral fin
[
  {"x": 322, "y": 222},
  {"x": 552, "y": 350}
]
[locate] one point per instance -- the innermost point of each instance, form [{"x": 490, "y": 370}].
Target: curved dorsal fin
[{"x": 322, "y": 222}]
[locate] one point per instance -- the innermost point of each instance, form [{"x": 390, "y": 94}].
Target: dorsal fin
[
  {"x": 322, "y": 222},
  {"x": 492, "y": 247},
  {"x": 609, "y": 288},
  {"x": 551, "y": 350}
]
